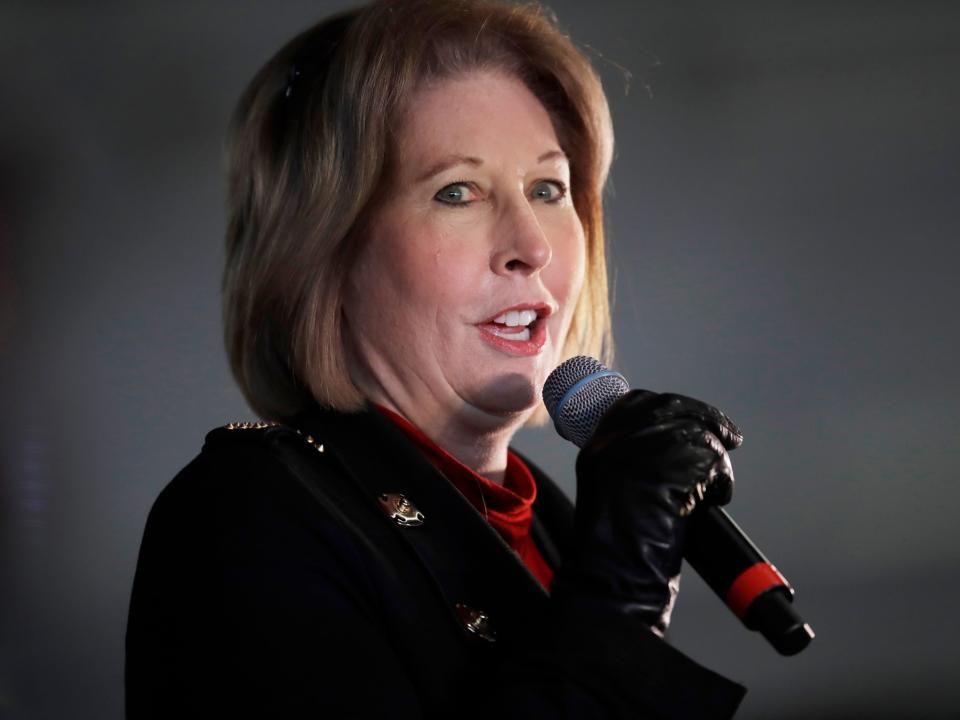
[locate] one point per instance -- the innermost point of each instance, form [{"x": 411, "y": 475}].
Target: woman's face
[{"x": 473, "y": 260}]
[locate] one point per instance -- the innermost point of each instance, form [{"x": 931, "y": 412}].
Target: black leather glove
[{"x": 651, "y": 460}]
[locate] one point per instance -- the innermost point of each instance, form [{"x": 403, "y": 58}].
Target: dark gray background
[{"x": 783, "y": 216}]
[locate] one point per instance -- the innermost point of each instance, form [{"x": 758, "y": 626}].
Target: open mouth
[
  {"x": 519, "y": 331},
  {"x": 514, "y": 325}
]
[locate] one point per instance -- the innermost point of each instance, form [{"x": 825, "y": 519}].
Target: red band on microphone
[{"x": 750, "y": 583}]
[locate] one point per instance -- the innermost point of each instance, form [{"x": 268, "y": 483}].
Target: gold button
[
  {"x": 399, "y": 508},
  {"x": 476, "y": 621}
]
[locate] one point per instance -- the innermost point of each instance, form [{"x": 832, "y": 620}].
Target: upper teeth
[{"x": 515, "y": 318}]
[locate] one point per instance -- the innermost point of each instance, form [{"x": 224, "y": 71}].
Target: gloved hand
[{"x": 652, "y": 459}]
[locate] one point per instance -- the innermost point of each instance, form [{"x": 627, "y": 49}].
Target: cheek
[
  {"x": 409, "y": 280},
  {"x": 569, "y": 261},
  {"x": 394, "y": 262},
  {"x": 381, "y": 290},
  {"x": 450, "y": 268}
]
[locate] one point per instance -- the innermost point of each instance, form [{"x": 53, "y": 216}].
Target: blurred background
[{"x": 783, "y": 213}]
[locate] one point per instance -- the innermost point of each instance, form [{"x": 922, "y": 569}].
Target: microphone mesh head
[{"x": 594, "y": 389}]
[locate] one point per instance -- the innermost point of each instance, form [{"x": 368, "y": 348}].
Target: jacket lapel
[{"x": 471, "y": 563}]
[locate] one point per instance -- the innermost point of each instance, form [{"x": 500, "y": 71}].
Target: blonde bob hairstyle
[{"x": 311, "y": 141}]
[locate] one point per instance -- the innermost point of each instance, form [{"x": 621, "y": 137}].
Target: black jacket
[{"x": 272, "y": 582}]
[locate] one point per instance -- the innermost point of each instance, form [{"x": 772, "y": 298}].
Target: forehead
[{"x": 480, "y": 113}]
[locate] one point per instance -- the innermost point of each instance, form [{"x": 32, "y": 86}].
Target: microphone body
[{"x": 577, "y": 394}]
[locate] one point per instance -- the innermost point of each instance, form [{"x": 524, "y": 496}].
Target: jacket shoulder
[
  {"x": 259, "y": 501},
  {"x": 240, "y": 467}
]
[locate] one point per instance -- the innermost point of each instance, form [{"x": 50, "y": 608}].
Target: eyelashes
[{"x": 451, "y": 196}]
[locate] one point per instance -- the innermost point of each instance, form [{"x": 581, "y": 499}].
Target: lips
[
  {"x": 541, "y": 309},
  {"x": 518, "y": 330}
]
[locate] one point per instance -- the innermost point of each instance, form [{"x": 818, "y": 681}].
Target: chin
[{"x": 508, "y": 395}]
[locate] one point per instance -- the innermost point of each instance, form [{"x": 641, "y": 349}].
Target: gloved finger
[
  {"x": 707, "y": 466},
  {"x": 672, "y": 405},
  {"x": 641, "y": 408},
  {"x": 632, "y": 411},
  {"x": 720, "y": 480},
  {"x": 688, "y": 450},
  {"x": 675, "y": 446}
]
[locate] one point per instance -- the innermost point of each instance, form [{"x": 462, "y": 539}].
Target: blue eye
[
  {"x": 456, "y": 194},
  {"x": 549, "y": 190},
  {"x": 453, "y": 194}
]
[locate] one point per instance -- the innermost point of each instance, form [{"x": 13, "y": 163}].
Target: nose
[{"x": 523, "y": 246}]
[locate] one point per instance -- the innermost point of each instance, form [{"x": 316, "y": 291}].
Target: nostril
[{"x": 514, "y": 264}]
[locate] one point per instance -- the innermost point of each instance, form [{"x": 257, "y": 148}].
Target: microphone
[{"x": 577, "y": 394}]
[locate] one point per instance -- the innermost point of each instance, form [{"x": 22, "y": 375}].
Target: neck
[
  {"x": 484, "y": 453},
  {"x": 476, "y": 439}
]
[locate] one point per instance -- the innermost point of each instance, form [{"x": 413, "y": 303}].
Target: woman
[{"x": 415, "y": 241}]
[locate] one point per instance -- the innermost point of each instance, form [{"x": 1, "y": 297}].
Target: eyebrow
[{"x": 450, "y": 161}]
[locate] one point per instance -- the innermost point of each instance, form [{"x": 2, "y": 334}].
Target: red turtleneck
[{"x": 508, "y": 507}]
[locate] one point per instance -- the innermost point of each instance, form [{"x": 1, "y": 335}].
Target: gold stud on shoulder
[
  {"x": 318, "y": 446},
  {"x": 263, "y": 424},
  {"x": 246, "y": 425}
]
